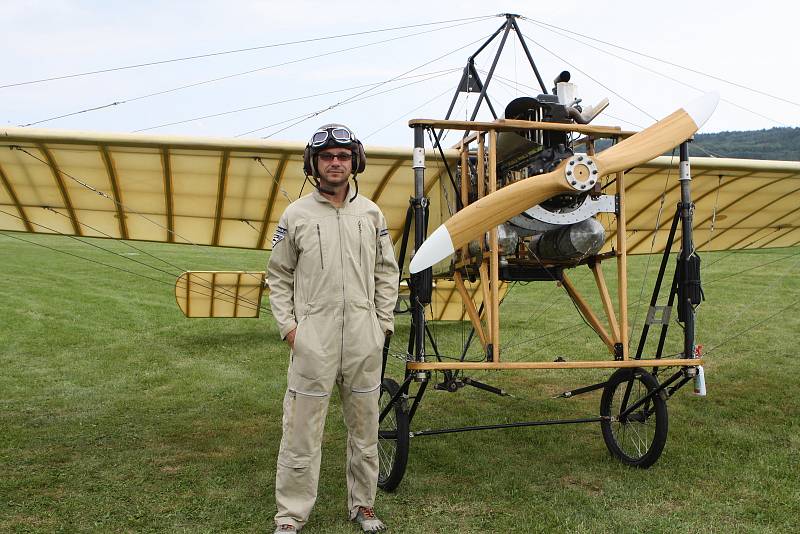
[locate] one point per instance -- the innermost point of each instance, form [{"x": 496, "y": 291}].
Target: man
[{"x": 333, "y": 287}]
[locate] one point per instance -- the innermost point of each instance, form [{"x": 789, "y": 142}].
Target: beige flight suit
[{"x": 333, "y": 276}]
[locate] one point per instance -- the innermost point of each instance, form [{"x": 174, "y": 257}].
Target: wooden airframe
[{"x": 230, "y": 193}]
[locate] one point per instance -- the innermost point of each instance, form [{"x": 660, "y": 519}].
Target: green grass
[{"x": 118, "y": 414}]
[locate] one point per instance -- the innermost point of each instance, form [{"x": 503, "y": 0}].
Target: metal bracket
[
  {"x": 618, "y": 352},
  {"x": 421, "y": 202},
  {"x": 658, "y": 315},
  {"x": 591, "y": 206}
]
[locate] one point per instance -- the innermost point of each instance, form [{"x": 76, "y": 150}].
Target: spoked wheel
[
  {"x": 392, "y": 438},
  {"x": 636, "y": 438}
]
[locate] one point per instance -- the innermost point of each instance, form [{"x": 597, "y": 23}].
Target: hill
[{"x": 775, "y": 144}]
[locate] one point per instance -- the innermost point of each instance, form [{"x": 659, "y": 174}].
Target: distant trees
[{"x": 775, "y": 143}]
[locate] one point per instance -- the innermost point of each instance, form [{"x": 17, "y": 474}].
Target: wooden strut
[
  {"x": 188, "y": 299},
  {"x": 236, "y": 295},
  {"x": 13, "y": 195},
  {"x": 615, "y": 336},
  {"x": 166, "y": 167},
  {"x": 622, "y": 266},
  {"x": 470, "y": 307},
  {"x": 108, "y": 161},
  {"x": 608, "y": 306},
  {"x": 222, "y": 184},
  {"x": 587, "y": 312},
  {"x": 62, "y": 188},
  {"x": 494, "y": 262},
  {"x": 273, "y": 195},
  {"x": 213, "y": 293},
  {"x": 483, "y": 271},
  {"x": 464, "y": 187},
  {"x": 509, "y": 125}
]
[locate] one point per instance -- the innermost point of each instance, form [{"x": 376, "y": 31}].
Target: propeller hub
[{"x": 581, "y": 172}]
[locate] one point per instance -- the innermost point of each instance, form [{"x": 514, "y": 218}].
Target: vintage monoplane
[{"x": 528, "y": 197}]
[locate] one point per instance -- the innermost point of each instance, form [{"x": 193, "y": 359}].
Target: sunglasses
[
  {"x": 341, "y": 136},
  {"x": 327, "y": 156}
]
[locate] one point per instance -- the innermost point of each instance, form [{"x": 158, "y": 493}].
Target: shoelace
[{"x": 368, "y": 513}]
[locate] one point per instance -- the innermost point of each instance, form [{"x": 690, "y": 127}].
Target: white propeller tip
[
  {"x": 437, "y": 247},
  {"x": 702, "y": 108}
]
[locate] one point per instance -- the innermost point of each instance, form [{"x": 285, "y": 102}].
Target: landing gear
[
  {"x": 635, "y": 420},
  {"x": 393, "y": 437}
]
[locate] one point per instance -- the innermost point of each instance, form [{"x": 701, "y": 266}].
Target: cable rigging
[
  {"x": 238, "y": 50},
  {"x": 668, "y": 77},
  {"x": 237, "y": 74},
  {"x": 352, "y": 98},
  {"x": 109, "y": 197},
  {"x": 277, "y": 102},
  {"x": 247, "y": 303},
  {"x": 741, "y": 86}
]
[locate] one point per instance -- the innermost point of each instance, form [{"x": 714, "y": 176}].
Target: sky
[{"x": 375, "y": 82}]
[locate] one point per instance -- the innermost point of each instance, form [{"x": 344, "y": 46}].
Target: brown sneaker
[{"x": 368, "y": 521}]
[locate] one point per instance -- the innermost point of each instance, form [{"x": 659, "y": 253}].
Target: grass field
[{"x": 117, "y": 414}]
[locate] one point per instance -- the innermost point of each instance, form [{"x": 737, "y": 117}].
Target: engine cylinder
[{"x": 569, "y": 243}]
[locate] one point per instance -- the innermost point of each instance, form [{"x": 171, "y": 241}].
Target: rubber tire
[
  {"x": 393, "y": 438},
  {"x": 640, "y": 445}
]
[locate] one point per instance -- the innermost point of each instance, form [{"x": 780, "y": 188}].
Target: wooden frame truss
[{"x": 611, "y": 325}]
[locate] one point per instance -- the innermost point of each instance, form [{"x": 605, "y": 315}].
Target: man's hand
[{"x": 290, "y": 338}]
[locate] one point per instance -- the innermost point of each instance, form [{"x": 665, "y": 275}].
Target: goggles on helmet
[{"x": 337, "y": 134}]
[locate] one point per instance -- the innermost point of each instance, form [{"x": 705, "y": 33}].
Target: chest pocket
[
  {"x": 366, "y": 243},
  {"x": 321, "y": 248},
  {"x": 313, "y": 243}
]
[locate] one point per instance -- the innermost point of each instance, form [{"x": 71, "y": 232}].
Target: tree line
[{"x": 774, "y": 144}]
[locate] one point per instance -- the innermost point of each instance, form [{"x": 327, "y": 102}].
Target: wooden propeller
[{"x": 579, "y": 173}]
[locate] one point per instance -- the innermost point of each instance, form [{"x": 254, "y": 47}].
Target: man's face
[{"x": 335, "y": 165}]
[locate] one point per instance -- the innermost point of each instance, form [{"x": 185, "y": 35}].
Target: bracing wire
[
  {"x": 634, "y": 324},
  {"x": 353, "y": 98},
  {"x": 278, "y": 102},
  {"x": 752, "y": 327},
  {"x": 106, "y": 196},
  {"x": 714, "y": 213},
  {"x": 508, "y": 83},
  {"x": 122, "y": 269},
  {"x": 751, "y": 305},
  {"x": 706, "y": 74},
  {"x": 750, "y": 268},
  {"x": 281, "y": 189},
  {"x": 235, "y": 75},
  {"x": 247, "y": 303},
  {"x": 595, "y": 80},
  {"x": 407, "y": 113},
  {"x": 661, "y": 74},
  {"x": 140, "y": 250},
  {"x": 236, "y": 51}
]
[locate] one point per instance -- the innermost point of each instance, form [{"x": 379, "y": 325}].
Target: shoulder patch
[{"x": 277, "y": 237}]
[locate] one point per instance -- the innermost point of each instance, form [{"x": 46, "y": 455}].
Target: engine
[{"x": 564, "y": 229}]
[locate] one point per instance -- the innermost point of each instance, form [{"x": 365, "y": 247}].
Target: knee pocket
[
  {"x": 297, "y": 464},
  {"x": 303, "y": 426},
  {"x": 365, "y": 390}
]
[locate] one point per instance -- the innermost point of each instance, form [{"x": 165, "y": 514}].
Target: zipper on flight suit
[
  {"x": 319, "y": 238},
  {"x": 380, "y": 245},
  {"x": 359, "y": 241},
  {"x": 344, "y": 293}
]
